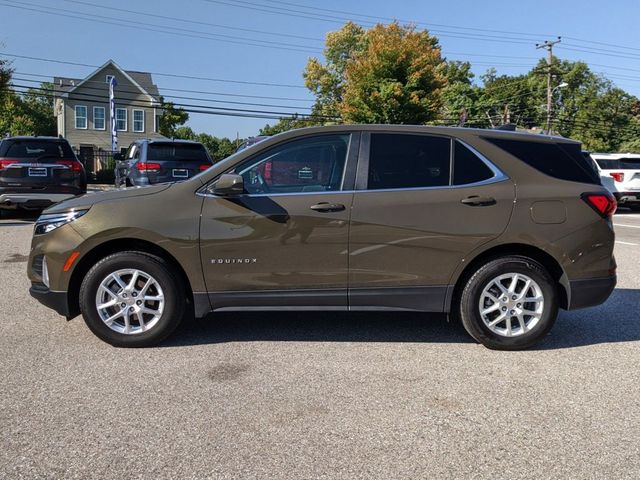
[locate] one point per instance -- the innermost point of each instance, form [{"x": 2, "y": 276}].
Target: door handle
[
  {"x": 476, "y": 201},
  {"x": 327, "y": 207}
]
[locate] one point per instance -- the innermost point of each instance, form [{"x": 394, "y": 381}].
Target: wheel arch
[
  {"x": 544, "y": 258},
  {"x": 114, "y": 246}
]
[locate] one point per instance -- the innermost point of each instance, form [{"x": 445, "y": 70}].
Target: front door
[
  {"x": 422, "y": 204},
  {"x": 284, "y": 242}
]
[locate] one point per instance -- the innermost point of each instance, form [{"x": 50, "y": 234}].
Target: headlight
[{"x": 50, "y": 221}]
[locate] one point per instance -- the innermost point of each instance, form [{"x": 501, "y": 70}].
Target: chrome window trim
[{"x": 498, "y": 176}]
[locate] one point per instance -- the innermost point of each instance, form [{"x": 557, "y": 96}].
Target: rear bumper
[
  {"x": 591, "y": 291},
  {"x": 55, "y": 300},
  {"x": 627, "y": 197},
  {"x": 31, "y": 200}
]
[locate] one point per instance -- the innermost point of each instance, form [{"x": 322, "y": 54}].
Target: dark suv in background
[
  {"x": 498, "y": 229},
  {"x": 36, "y": 172},
  {"x": 159, "y": 161}
]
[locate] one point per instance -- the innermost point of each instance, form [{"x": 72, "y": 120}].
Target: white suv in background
[{"x": 624, "y": 169}]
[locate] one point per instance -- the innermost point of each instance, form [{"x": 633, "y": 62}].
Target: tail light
[
  {"x": 267, "y": 170},
  {"x": 5, "y": 163},
  {"x": 148, "y": 167},
  {"x": 617, "y": 176},
  {"x": 603, "y": 203},
  {"x": 204, "y": 167},
  {"x": 74, "y": 165}
]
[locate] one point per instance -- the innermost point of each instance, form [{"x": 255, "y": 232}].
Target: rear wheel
[
  {"x": 509, "y": 303},
  {"x": 132, "y": 299}
]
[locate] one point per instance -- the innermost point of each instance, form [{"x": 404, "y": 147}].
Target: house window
[
  {"x": 98, "y": 118},
  {"x": 121, "y": 119},
  {"x": 108, "y": 78},
  {"x": 81, "y": 117},
  {"x": 138, "y": 120}
]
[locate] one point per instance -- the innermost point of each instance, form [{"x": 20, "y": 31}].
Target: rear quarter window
[{"x": 563, "y": 161}]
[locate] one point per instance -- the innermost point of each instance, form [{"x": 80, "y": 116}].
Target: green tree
[
  {"x": 387, "y": 74},
  {"x": 171, "y": 118},
  {"x": 289, "y": 123},
  {"x": 218, "y": 148}
]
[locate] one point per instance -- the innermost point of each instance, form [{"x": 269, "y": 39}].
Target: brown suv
[{"x": 500, "y": 229}]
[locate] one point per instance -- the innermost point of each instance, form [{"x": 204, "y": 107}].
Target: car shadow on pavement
[
  {"x": 318, "y": 327},
  {"x": 617, "y": 320}
]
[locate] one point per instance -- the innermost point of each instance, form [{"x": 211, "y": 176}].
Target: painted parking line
[
  {"x": 627, "y": 243},
  {"x": 625, "y": 225}
]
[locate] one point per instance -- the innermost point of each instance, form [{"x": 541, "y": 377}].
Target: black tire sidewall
[
  {"x": 470, "y": 299},
  {"x": 173, "y": 291}
]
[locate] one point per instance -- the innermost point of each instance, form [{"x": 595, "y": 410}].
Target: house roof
[{"x": 141, "y": 80}]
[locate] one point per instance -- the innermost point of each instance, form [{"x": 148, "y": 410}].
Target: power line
[
  {"x": 184, "y": 106},
  {"x": 335, "y": 19},
  {"x": 195, "y": 22},
  {"x": 176, "y": 31},
  {"x": 137, "y": 92},
  {"x": 163, "y": 88},
  {"x": 160, "y": 74}
]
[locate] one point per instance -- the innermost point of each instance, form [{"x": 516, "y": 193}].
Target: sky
[{"x": 253, "y": 52}]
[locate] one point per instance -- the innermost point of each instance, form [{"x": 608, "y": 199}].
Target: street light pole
[{"x": 548, "y": 46}]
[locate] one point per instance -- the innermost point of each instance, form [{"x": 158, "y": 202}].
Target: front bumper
[
  {"x": 31, "y": 200},
  {"x": 57, "y": 301},
  {"x": 590, "y": 292}
]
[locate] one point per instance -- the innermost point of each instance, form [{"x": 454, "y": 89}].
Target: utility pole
[{"x": 548, "y": 46}]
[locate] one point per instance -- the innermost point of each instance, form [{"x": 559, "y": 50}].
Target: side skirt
[{"x": 417, "y": 299}]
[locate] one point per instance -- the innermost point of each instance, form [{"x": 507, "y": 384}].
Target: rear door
[
  {"x": 422, "y": 203},
  {"x": 32, "y": 165}
]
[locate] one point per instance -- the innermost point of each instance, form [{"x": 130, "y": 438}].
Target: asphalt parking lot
[{"x": 319, "y": 395}]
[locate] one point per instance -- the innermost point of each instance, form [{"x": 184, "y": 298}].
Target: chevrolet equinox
[{"x": 497, "y": 229}]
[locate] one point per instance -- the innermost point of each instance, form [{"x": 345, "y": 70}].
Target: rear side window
[
  {"x": 34, "y": 149},
  {"x": 408, "y": 161},
  {"x": 176, "y": 152},
  {"x": 468, "y": 168},
  {"x": 624, "y": 163},
  {"x": 558, "y": 160}
]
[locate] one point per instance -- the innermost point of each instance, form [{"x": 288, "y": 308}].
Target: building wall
[{"x": 95, "y": 93}]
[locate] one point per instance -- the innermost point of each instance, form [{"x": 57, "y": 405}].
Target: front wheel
[
  {"x": 132, "y": 299},
  {"x": 509, "y": 303}
]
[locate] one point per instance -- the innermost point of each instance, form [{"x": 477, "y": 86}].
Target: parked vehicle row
[{"x": 497, "y": 229}]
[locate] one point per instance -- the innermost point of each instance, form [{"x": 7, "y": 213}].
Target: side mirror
[
  {"x": 228, "y": 184},
  {"x": 118, "y": 157}
]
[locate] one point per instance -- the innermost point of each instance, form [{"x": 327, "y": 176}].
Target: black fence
[{"x": 99, "y": 164}]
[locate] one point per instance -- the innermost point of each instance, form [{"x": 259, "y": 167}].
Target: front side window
[
  {"x": 138, "y": 120},
  {"x": 408, "y": 161},
  {"x": 121, "y": 119},
  {"x": 98, "y": 118},
  {"x": 314, "y": 164},
  {"x": 81, "y": 117}
]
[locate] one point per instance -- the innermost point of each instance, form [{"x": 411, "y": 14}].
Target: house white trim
[
  {"x": 77, "y": 117},
  {"x": 133, "y": 116},
  {"x": 104, "y": 118},
  {"x": 151, "y": 98}
]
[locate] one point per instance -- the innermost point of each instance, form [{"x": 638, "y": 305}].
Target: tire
[
  {"x": 508, "y": 333},
  {"x": 126, "y": 329}
]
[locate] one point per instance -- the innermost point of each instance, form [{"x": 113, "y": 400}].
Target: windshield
[{"x": 176, "y": 152}]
